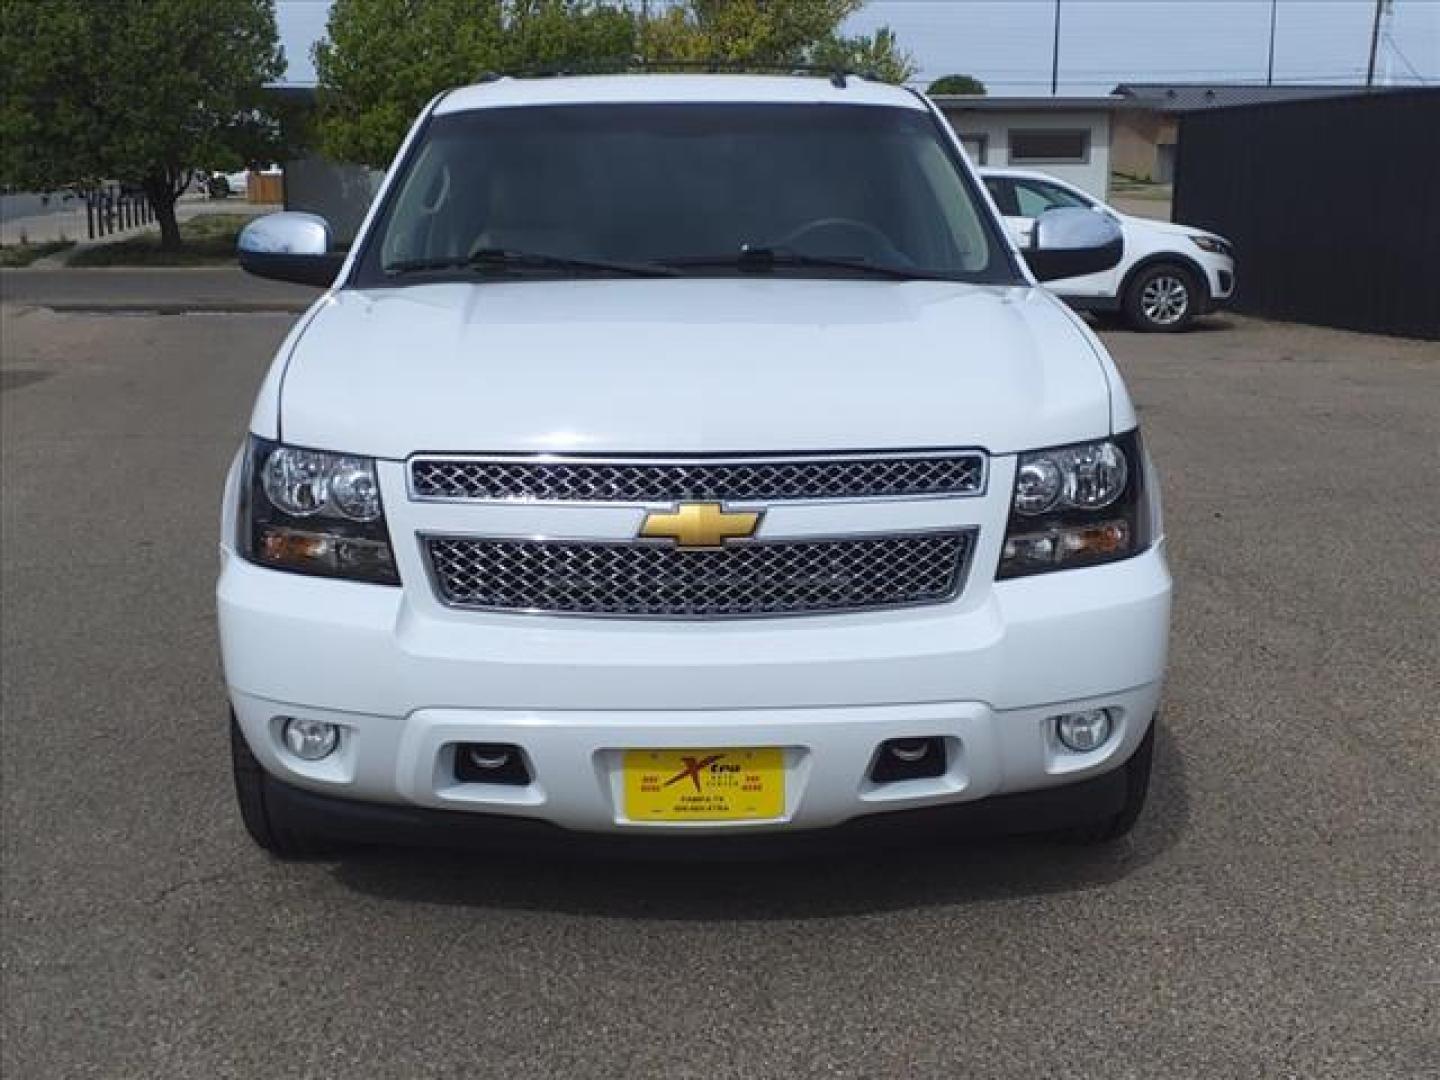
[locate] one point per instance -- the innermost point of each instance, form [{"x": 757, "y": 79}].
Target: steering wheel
[{"x": 875, "y": 240}]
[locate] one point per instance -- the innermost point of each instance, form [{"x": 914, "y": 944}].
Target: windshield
[{"x": 817, "y": 190}]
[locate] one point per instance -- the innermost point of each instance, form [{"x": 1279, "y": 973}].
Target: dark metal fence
[
  {"x": 114, "y": 209},
  {"x": 1333, "y": 206}
]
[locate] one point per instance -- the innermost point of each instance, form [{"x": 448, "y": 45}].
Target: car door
[{"x": 1028, "y": 198}]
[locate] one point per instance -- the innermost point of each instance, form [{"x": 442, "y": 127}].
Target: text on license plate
[{"x": 724, "y": 784}]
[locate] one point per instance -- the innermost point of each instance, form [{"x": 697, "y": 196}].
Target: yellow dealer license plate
[{"x": 704, "y": 785}]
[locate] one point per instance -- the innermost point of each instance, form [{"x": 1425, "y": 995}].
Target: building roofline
[
  {"x": 979, "y": 102},
  {"x": 1296, "y": 102},
  {"x": 1243, "y": 84},
  {"x": 1178, "y": 98}
]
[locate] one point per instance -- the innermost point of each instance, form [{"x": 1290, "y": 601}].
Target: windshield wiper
[
  {"x": 752, "y": 259},
  {"x": 506, "y": 258}
]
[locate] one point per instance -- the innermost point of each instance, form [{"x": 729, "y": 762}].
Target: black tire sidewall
[
  {"x": 1138, "y": 770},
  {"x": 266, "y": 820},
  {"x": 250, "y": 789}
]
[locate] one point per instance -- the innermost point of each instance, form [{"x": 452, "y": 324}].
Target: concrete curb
[
  {"x": 222, "y": 289},
  {"x": 179, "y": 307}
]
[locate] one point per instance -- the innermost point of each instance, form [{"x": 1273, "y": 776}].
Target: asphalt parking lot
[{"x": 1275, "y": 914}]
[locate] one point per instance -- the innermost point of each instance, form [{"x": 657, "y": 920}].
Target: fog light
[
  {"x": 1083, "y": 731},
  {"x": 310, "y": 740}
]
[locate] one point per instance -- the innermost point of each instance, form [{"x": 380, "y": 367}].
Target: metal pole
[
  {"x": 1270, "y": 71},
  {"x": 1055, "y": 55},
  {"x": 1374, "y": 44}
]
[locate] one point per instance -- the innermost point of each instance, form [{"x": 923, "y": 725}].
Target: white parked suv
[
  {"x": 1169, "y": 275},
  {"x": 688, "y": 458}
]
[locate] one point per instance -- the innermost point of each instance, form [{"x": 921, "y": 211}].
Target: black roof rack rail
[{"x": 623, "y": 65}]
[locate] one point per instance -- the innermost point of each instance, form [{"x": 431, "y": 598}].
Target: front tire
[
  {"x": 1137, "y": 787},
  {"x": 265, "y": 818},
  {"x": 1163, "y": 299}
]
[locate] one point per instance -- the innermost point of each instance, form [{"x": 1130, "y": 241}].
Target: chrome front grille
[
  {"x": 648, "y": 480},
  {"x": 637, "y": 579}
]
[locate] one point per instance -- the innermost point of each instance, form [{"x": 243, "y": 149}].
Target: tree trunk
[{"x": 161, "y": 197}]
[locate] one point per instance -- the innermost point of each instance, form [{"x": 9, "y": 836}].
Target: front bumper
[
  {"x": 406, "y": 683},
  {"x": 1220, "y": 281},
  {"x": 344, "y": 821}
]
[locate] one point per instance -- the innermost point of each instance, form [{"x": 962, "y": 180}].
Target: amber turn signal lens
[
  {"x": 1106, "y": 539},
  {"x": 284, "y": 547},
  {"x": 1072, "y": 545},
  {"x": 324, "y": 553}
]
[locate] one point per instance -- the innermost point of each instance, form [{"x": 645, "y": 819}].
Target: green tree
[
  {"x": 382, "y": 60},
  {"x": 957, "y": 84},
  {"x": 139, "y": 91},
  {"x": 877, "y": 55},
  {"x": 773, "y": 33}
]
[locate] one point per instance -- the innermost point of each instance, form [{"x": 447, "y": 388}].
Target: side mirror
[
  {"x": 1069, "y": 241},
  {"x": 290, "y": 246}
]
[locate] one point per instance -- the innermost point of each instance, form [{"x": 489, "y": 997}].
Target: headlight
[
  {"x": 1090, "y": 476},
  {"x": 1213, "y": 244},
  {"x": 1077, "y": 506},
  {"x": 314, "y": 512}
]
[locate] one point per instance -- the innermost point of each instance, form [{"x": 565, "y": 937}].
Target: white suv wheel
[
  {"x": 1165, "y": 300},
  {"x": 1162, "y": 298}
]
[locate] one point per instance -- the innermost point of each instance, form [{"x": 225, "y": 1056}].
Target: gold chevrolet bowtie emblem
[{"x": 699, "y": 525}]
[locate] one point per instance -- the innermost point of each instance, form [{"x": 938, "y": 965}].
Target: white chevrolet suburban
[{"x": 688, "y": 458}]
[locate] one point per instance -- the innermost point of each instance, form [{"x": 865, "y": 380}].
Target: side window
[
  {"x": 1003, "y": 192},
  {"x": 1034, "y": 197}
]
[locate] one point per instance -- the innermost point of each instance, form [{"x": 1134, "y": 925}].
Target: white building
[{"x": 1068, "y": 137}]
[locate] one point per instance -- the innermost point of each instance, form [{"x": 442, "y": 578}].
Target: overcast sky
[{"x": 1006, "y": 43}]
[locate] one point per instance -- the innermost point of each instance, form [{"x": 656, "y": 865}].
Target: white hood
[
  {"x": 1166, "y": 228},
  {"x": 691, "y": 366}
]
